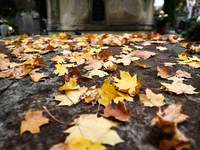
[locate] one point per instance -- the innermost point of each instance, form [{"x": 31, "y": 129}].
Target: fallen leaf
[
  {"x": 59, "y": 59},
  {"x": 2, "y": 55},
  {"x": 171, "y": 115},
  {"x": 70, "y": 97},
  {"x": 163, "y": 72},
  {"x": 105, "y": 55},
  {"x": 99, "y": 73},
  {"x": 119, "y": 114},
  {"x": 107, "y": 93},
  {"x": 79, "y": 143},
  {"x": 167, "y": 121},
  {"x": 167, "y": 64},
  {"x": 70, "y": 85},
  {"x": 112, "y": 68},
  {"x": 93, "y": 65},
  {"x": 138, "y": 47},
  {"x": 121, "y": 97},
  {"x": 161, "y": 48},
  {"x": 179, "y": 88},
  {"x": 61, "y": 70},
  {"x": 151, "y": 99},
  {"x": 185, "y": 74},
  {"x": 127, "y": 83},
  {"x": 126, "y": 48},
  {"x": 94, "y": 129},
  {"x": 143, "y": 54},
  {"x": 74, "y": 74},
  {"x": 32, "y": 122},
  {"x": 176, "y": 79},
  {"x": 37, "y": 76},
  {"x": 178, "y": 141},
  {"x": 142, "y": 66}
]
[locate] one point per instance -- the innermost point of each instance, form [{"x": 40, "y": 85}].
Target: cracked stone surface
[{"x": 18, "y": 96}]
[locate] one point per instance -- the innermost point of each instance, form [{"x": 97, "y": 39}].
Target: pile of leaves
[{"x": 89, "y": 131}]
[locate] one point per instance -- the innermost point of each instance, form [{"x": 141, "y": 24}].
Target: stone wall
[{"x": 67, "y": 15}]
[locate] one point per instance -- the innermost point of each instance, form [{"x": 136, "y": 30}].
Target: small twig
[
  {"x": 50, "y": 54},
  {"x": 150, "y": 88},
  {"x": 140, "y": 118},
  {"x": 71, "y": 124},
  {"x": 191, "y": 98},
  {"x": 98, "y": 108},
  {"x": 85, "y": 104}
]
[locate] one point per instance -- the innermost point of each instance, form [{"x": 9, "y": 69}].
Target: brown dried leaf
[
  {"x": 172, "y": 115},
  {"x": 32, "y": 122},
  {"x": 185, "y": 74},
  {"x": 143, "y": 54},
  {"x": 74, "y": 74},
  {"x": 35, "y": 77},
  {"x": 119, "y": 113},
  {"x": 105, "y": 55},
  {"x": 163, "y": 72}
]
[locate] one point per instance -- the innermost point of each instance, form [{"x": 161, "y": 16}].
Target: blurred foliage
[
  {"x": 192, "y": 32},
  {"x": 170, "y": 8},
  {"x": 8, "y": 8}
]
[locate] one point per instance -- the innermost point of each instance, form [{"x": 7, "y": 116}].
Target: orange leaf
[
  {"x": 105, "y": 55},
  {"x": 119, "y": 113},
  {"x": 143, "y": 54},
  {"x": 36, "y": 76},
  {"x": 140, "y": 65},
  {"x": 163, "y": 72},
  {"x": 112, "y": 68},
  {"x": 32, "y": 122},
  {"x": 74, "y": 74}
]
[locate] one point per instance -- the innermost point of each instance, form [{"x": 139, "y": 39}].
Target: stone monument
[{"x": 94, "y": 15}]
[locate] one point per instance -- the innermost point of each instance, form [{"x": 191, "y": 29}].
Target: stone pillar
[
  {"x": 53, "y": 13},
  {"x": 130, "y": 13}
]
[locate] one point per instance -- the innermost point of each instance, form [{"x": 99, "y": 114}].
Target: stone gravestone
[
  {"x": 4, "y": 29},
  {"x": 29, "y": 24}
]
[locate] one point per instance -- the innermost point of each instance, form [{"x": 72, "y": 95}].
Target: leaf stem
[
  {"x": 140, "y": 118},
  {"x": 71, "y": 124},
  {"x": 191, "y": 98},
  {"x": 85, "y": 104}
]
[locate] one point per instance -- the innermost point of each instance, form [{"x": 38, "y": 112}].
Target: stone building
[{"x": 99, "y": 15}]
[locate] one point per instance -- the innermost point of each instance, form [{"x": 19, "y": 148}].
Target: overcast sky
[{"x": 158, "y": 2}]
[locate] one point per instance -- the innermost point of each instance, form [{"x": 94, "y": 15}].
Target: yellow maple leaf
[
  {"x": 126, "y": 48},
  {"x": 178, "y": 88},
  {"x": 107, "y": 93},
  {"x": 59, "y": 59},
  {"x": 78, "y": 143},
  {"x": 151, "y": 99},
  {"x": 183, "y": 57},
  {"x": 121, "y": 97},
  {"x": 127, "y": 83},
  {"x": 94, "y": 129},
  {"x": 61, "y": 70},
  {"x": 71, "y": 85},
  {"x": 70, "y": 97},
  {"x": 32, "y": 122}
]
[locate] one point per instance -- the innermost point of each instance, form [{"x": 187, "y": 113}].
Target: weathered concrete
[
  {"x": 67, "y": 15},
  {"x": 20, "y": 96}
]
